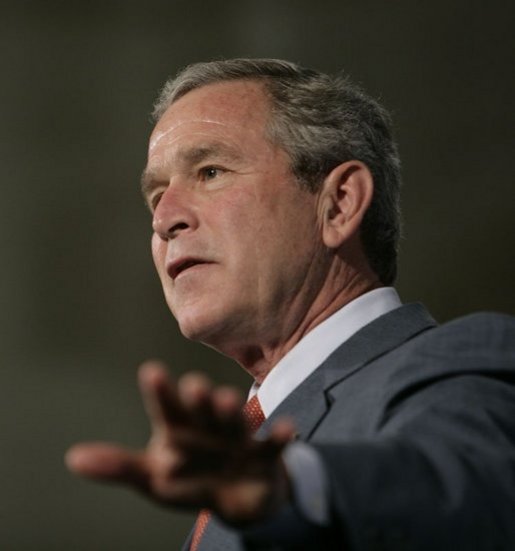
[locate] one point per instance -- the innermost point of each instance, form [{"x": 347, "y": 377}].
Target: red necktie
[{"x": 254, "y": 417}]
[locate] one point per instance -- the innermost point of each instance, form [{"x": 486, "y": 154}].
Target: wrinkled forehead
[{"x": 243, "y": 105}]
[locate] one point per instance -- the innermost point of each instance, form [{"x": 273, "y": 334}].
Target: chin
[
  {"x": 191, "y": 331},
  {"x": 198, "y": 325},
  {"x": 211, "y": 328}
]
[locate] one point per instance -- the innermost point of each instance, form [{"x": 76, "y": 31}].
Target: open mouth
[{"x": 182, "y": 265}]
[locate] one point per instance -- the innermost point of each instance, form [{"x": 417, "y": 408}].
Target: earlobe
[{"x": 345, "y": 197}]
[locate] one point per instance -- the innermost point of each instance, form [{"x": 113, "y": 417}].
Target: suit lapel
[{"x": 310, "y": 401}]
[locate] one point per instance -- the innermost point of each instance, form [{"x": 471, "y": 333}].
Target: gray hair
[{"x": 320, "y": 121}]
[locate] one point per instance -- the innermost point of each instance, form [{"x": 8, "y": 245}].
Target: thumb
[{"x": 107, "y": 462}]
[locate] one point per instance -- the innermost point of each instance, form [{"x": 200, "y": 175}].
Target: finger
[
  {"x": 228, "y": 410},
  {"x": 283, "y": 431},
  {"x": 280, "y": 435},
  {"x": 109, "y": 463},
  {"x": 159, "y": 397},
  {"x": 215, "y": 413},
  {"x": 227, "y": 402},
  {"x": 194, "y": 394},
  {"x": 211, "y": 404},
  {"x": 205, "y": 405},
  {"x": 194, "y": 391}
]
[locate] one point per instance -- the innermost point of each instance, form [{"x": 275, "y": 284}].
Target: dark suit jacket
[{"x": 415, "y": 425}]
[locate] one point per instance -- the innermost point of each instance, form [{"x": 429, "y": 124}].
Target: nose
[{"x": 173, "y": 215}]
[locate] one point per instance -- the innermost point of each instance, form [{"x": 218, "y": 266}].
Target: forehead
[{"x": 240, "y": 105}]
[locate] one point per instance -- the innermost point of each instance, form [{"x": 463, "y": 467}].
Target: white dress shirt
[{"x": 320, "y": 343}]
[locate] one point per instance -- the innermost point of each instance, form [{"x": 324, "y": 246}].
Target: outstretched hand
[{"x": 201, "y": 454}]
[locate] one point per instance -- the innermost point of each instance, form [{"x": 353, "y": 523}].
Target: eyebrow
[{"x": 191, "y": 156}]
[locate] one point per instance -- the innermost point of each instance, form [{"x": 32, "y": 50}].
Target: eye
[
  {"x": 210, "y": 172},
  {"x": 154, "y": 201}
]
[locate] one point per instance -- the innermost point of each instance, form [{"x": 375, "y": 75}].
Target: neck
[{"x": 259, "y": 358}]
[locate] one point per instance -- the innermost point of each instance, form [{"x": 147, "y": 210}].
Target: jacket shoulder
[
  {"x": 478, "y": 333},
  {"x": 477, "y": 344}
]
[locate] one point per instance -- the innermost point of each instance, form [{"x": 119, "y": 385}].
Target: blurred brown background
[{"x": 80, "y": 304}]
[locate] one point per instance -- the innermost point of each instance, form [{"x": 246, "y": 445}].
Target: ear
[{"x": 345, "y": 196}]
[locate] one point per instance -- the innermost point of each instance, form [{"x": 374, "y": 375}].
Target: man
[{"x": 274, "y": 196}]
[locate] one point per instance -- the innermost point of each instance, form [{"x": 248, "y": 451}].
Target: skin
[{"x": 249, "y": 263}]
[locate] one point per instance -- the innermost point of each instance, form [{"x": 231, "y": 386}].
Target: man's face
[{"x": 236, "y": 239}]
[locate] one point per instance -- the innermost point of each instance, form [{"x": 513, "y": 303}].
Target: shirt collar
[{"x": 319, "y": 343}]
